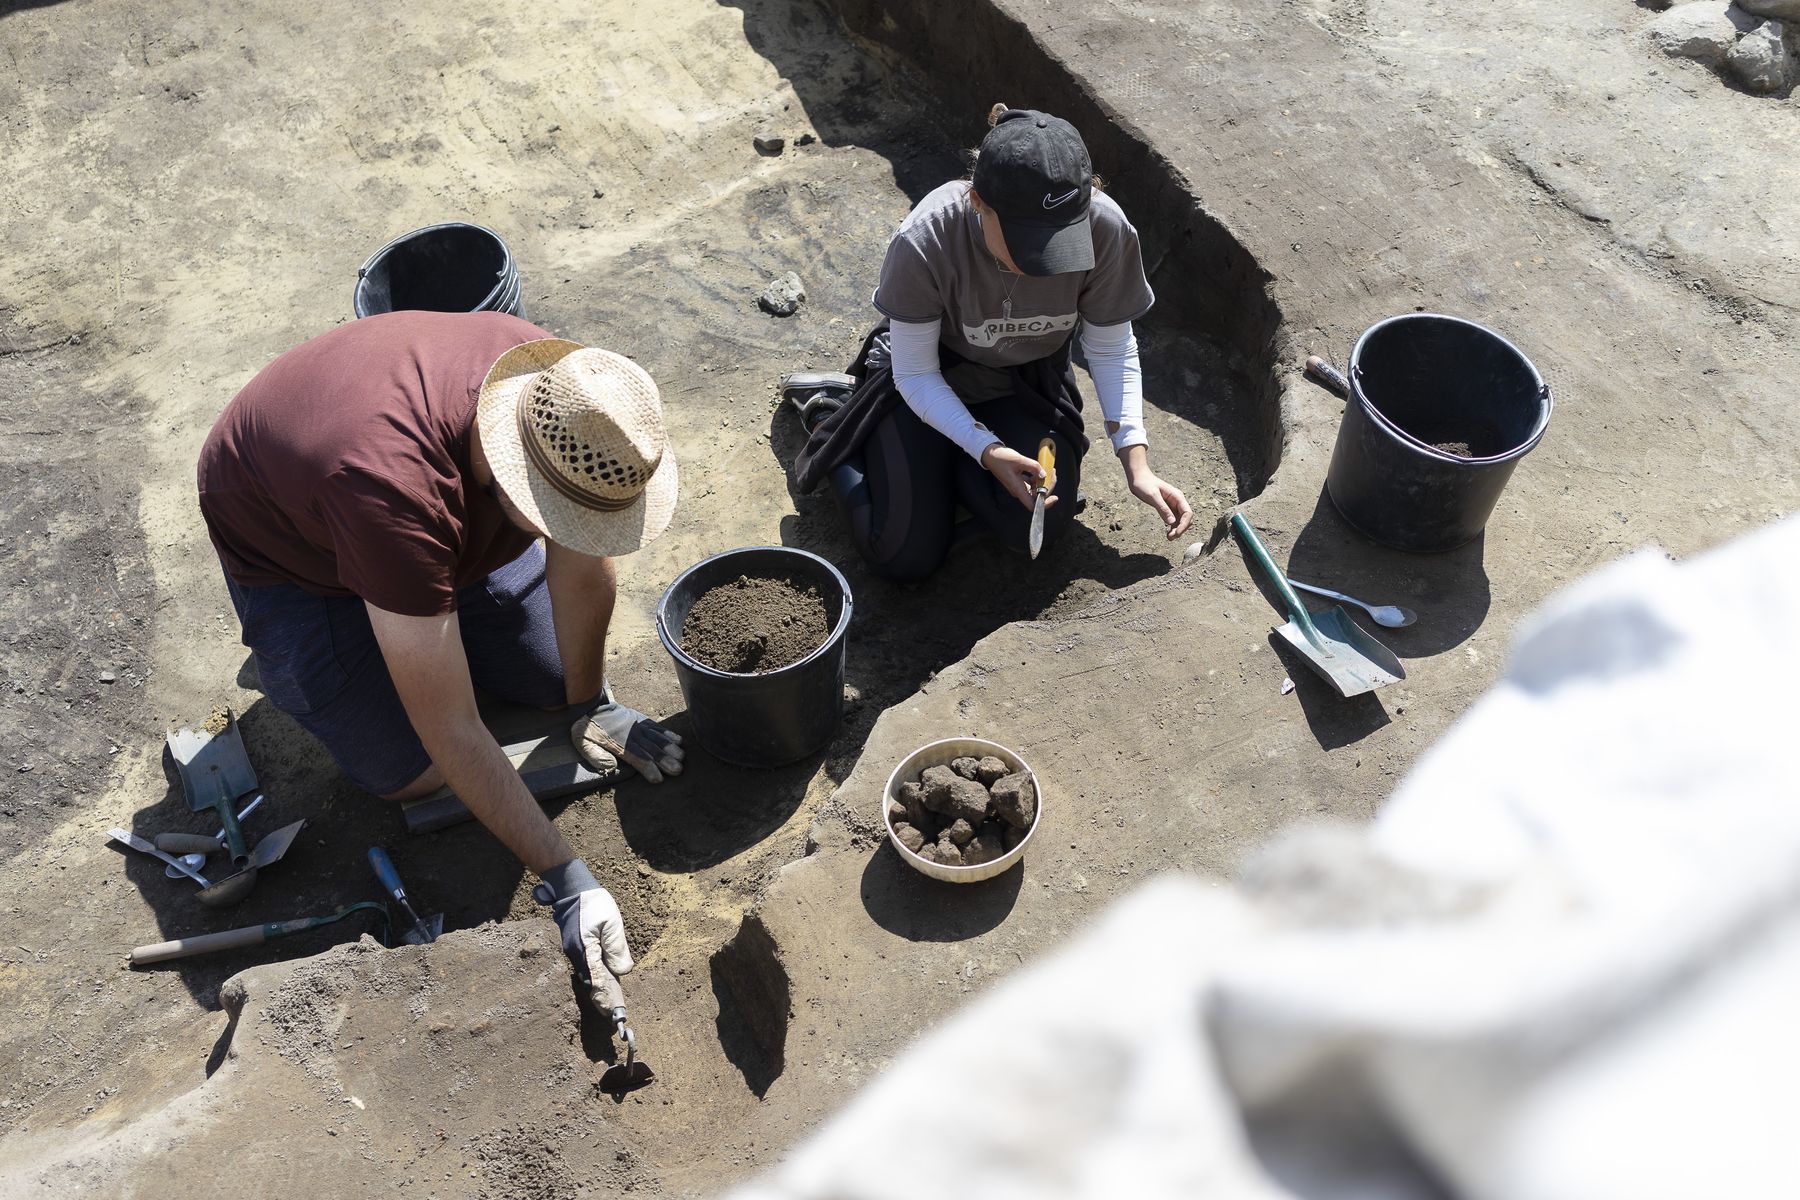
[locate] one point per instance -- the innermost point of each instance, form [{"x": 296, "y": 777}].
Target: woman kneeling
[{"x": 984, "y": 287}]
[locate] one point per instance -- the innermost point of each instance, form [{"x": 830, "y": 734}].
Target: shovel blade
[
  {"x": 1351, "y": 661},
  {"x": 1036, "y": 541},
  {"x": 207, "y": 761}
]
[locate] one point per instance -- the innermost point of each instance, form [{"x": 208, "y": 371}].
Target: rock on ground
[
  {"x": 1704, "y": 31},
  {"x": 1762, "y": 60},
  {"x": 1781, "y": 10},
  {"x": 783, "y": 296}
]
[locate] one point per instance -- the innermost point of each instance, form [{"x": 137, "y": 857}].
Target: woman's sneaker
[{"x": 815, "y": 395}]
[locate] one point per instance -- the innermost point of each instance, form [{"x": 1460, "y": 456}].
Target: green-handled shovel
[{"x": 1332, "y": 644}]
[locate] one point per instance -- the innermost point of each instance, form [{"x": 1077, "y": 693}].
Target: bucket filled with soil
[
  {"x": 1440, "y": 412},
  {"x": 757, "y": 635},
  {"x": 961, "y": 809}
]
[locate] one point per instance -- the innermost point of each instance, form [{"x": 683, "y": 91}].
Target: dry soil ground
[{"x": 190, "y": 188}]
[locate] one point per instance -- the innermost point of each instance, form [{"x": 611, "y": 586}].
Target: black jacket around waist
[{"x": 1044, "y": 386}]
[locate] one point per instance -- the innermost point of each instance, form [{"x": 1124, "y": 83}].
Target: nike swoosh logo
[{"x": 1062, "y": 199}]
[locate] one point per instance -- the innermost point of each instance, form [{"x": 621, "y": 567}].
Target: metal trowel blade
[{"x": 428, "y": 930}]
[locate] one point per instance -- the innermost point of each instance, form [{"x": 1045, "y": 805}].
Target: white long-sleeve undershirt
[{"x": 1112, "y": 357}]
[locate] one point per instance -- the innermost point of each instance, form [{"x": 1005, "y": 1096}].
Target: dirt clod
[
  {"x": 1460, "y": 449},
  {"x": 966, "y": 767},
  {"x": 897, "y": 813},
  {"x": 949, "y": 853},
  {"x": 959, "y": 832},
  {"x": 983, "y": 848},
  {"x": 912, "y": 798},
  {"x": 954, "y": 797},
  {"x": 1015, "y": 800},
  {"x": 755, "y": 624},
  {"x": 991, "y": 770},
  {"x": 909, "y": 836}
]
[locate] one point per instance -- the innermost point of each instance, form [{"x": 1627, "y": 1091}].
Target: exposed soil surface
[
  {"x": 755, "y": 624},
  {"x": 1460, "y": 449}
]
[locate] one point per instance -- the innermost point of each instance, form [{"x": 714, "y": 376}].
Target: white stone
[
  {"x": 1781, "y": 10},
  {"x": 1761, "y": 60},
  {"x": 1704, "y": 31}
]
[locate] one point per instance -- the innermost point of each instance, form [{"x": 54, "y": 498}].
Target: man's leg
[
  {"x": 509, "y": 634},
  {"x": 318, "y": 662},
  {"x": 1000, "y": 512}
]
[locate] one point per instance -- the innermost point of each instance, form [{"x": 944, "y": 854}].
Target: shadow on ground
[
  {"x": 921, "y": 909},
  {"x": 1449, "y": 591}
]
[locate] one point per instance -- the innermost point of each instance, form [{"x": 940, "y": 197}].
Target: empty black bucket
[
  {"x": 442, "y": 268},
  {"x": 1425, "y": 389},
  {"x": 779, "y": 716}
]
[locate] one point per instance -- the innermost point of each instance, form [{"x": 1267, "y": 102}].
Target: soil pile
[
  {"x": 968, "y": 813},
  {"x": 755, "y": 624}
]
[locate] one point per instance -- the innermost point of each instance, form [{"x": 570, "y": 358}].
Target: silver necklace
[{"x": 1006, "y": 302}]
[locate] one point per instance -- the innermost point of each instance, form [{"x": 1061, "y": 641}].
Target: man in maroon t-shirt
[{"x": 377, "y": 496}]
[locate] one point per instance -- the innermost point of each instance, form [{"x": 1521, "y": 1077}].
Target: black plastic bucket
[
  {"x": 441, "y": 268},
  {"x": 779, "y": 716},
  {"x": 1419, "y": 383}
]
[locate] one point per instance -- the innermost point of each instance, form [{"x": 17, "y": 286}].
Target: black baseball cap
[{"x": 1033, "y": 171}]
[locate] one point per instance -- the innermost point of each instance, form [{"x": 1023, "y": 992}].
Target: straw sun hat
[{"x": 575, "y": 439}]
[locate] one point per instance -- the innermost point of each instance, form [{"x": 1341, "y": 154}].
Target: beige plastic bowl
[{"x": 939, "y": 754}]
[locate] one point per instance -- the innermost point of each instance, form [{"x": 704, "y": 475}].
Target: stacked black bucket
[{"x": 453, "y": 267}]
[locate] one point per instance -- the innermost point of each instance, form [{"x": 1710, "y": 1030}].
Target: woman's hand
[
  {"x": 1165, "y": 498},
  {"x": 1019, "y": 475}
]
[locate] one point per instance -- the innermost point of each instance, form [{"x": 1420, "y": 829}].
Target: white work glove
[
  {"x": 593, "y": 932},
  {"x": 612, "y": 738}
]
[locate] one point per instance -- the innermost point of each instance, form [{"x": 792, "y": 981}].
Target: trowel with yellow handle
[{"x": 1046, "y": 458}]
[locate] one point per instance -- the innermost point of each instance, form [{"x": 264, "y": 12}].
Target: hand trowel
[
  {"x": 1046, "y": 458},
  {"x": 634, "y": 1072}
]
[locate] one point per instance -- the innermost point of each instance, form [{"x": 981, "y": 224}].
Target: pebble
[
  {"x": 108, "y": 677},
  {"x": 769, "y": 143},
  {"x": 1193, "y": 552},
  {"x": 1761, "y": 60},
  {"x": 783, "y": 296}
]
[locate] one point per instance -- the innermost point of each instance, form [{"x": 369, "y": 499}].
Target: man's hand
[
  {"x": 1165, "y": 498},
  {"x": 612, "y": 738},
  {"x": 593, "y": 932},
  {"x": 1020, "y": 476}
]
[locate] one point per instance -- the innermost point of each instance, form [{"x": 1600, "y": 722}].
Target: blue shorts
[{"x": 319, "y": 663}]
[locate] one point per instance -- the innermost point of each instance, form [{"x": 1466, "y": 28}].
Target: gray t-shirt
[{"x": 938, "y": 269}]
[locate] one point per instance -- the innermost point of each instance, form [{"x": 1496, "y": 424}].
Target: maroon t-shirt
[{"x": 343, "y": 467}]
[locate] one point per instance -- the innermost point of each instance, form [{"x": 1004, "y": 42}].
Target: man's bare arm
[
  {"x": 425, "y": 658},
  {"x": 583, "y": 589}
]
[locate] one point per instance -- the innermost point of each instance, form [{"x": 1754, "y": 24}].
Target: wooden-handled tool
[
  {"x": 249, "y": 935},
  {"x": 1046, "y": 458}
]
